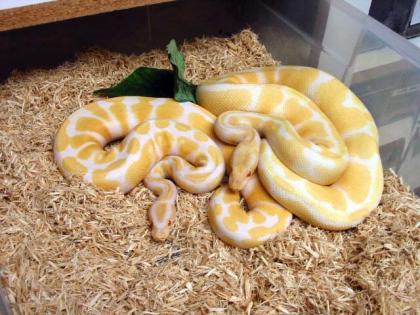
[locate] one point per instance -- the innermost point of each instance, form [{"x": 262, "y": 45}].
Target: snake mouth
[
  {"x": 160, "y": 235},
  {"x": 237, "y": 183}
]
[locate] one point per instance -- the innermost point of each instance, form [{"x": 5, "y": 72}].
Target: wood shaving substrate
[{"x": 66, "y": 247}]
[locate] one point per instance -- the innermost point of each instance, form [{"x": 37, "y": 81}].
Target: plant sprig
[{"x": 155, "y": 82}]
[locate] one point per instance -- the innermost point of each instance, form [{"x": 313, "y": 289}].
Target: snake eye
[{"x": 249, "y": 174}]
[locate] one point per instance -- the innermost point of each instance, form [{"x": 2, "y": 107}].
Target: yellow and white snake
[{"x": 291, "y": 138}]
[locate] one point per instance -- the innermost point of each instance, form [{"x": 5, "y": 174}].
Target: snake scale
[{"x": 294, "y": 140}]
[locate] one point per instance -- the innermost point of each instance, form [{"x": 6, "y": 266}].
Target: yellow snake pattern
[{"x": 290, "y": 137}]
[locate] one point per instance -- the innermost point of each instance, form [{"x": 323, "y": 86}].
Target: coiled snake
[{"x": 292, "y": 137}]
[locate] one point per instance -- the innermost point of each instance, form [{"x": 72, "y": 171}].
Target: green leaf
[
  {"x": 143, "y": 82},
  {"x": 157, "y": 82},
  {"x": 183, "y": 90},
  {"x": 176, "y": 58}
]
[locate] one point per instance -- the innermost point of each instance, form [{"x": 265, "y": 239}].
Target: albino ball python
[
  {"x": 318, "y": 157},
  {"x": 347, "y": 195},
  {"x": 79, "y": 151}
]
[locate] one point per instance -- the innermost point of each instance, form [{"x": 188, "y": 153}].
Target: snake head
[
  {"x": 244, "y": 160},
  {"x": 162, "y": 215},
  {"x": 243, "y": 167}
]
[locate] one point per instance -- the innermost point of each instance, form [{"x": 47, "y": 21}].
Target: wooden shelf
[{"x": 62, "y": 10}]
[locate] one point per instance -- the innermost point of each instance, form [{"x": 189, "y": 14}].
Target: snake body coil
[{"x": 312, "y": 142}]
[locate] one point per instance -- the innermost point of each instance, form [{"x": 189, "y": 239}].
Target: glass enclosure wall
[{"x": 380, "y": 66}]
